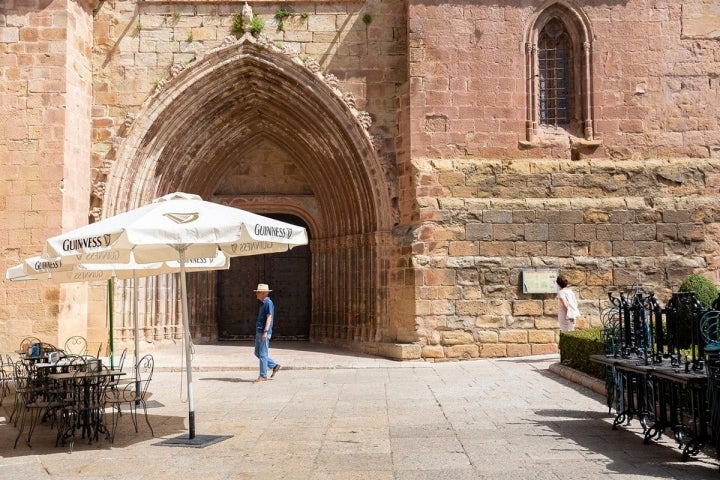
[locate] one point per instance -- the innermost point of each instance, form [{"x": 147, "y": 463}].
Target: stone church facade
[{"x": 436, "y": 153}]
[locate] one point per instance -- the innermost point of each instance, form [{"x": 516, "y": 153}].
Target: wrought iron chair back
[
  {"x": 133, "y": 394},
  {"x": 710, "y": 330},
  {"x": 76, "y": 345}
]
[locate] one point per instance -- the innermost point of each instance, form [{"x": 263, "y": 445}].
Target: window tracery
[{"x": 559, "y": 78}]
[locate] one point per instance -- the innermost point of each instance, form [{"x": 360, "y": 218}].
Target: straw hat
[{"x": 262, "y": 287}]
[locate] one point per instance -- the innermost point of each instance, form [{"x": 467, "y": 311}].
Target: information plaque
[{"x": 540, "y": 281}]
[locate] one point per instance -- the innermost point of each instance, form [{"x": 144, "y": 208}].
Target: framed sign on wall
[{"x": 540, "y": 280}]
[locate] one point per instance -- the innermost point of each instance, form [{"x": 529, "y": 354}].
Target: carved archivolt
[
  {"x": 227, "y": 49},
  {"x": 364, "y": 118}
]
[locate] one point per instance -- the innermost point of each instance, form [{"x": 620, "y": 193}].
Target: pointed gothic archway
[{"x": 294, "y": 146}]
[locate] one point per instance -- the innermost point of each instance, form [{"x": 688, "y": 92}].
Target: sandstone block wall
[
  {"x": 45, "y": 122},
  {"x": 615, "y": 230},
  {"x": 445, "y": 87},
  {"x": 638, "y": 206},
  {"x": 138, "y": 44},
  {"x": 654, "y": 79}
]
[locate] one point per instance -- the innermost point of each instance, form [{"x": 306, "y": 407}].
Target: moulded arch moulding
[
  {"x": 547, "y": 8},
  {"x": 130, "y": 183}
]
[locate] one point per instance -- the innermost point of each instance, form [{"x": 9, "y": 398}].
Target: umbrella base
[{"x": 200, "y": 441}]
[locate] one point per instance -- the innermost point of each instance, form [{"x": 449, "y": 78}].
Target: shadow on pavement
[
  {"x": 623, "y": 450},
  {"x": 44, "y": 437}
]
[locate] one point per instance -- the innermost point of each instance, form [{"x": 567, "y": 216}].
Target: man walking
[{"x": 263, "y": 332}]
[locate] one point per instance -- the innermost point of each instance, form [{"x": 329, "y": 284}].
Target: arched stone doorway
[
  {"x": 249, "y": 126},
  {"x": 289, "y": 276}
]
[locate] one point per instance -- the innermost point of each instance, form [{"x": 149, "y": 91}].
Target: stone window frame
[
  {"x": 555, "y": 77},
  {"x": 580, "y": 131}
]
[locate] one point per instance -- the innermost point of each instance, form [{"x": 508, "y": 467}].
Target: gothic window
[
  {"x": 559, "y": 80},
  {"x": 554, "y": 62}
]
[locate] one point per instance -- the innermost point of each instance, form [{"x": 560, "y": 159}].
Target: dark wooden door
[{"x": 288, "y": 275}]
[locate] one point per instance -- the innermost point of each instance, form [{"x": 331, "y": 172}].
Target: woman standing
[{"x": 567, "y": 305}]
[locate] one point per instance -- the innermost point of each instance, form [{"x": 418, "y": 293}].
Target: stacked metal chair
[{"x": 710, "y": 332}]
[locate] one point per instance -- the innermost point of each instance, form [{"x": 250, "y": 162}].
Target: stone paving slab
[{"x": 332, "y": 415}]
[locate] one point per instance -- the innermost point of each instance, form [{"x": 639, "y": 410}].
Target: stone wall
[
  {"x": 605, "y": 229},
  {"x": 636, "y": 204},
  {"x": 137, "y": 45},
  {"x": 45, "y": 107},
  {"x": 654, "y": 71},
  {"x": 445, "y": 87}
]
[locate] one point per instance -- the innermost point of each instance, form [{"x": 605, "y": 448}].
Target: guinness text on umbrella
[
  {"x": 69, "y": 245},
  {"x": 270, "y": 231}
]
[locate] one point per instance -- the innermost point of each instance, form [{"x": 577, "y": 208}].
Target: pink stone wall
[
  {"x": 654, "y": 93},
  {"x": 638, "y": 206},
  {"x": 44, "y": 152}
]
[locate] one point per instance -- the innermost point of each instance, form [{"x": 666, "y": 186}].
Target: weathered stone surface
[
  {"x": 398, "y": 149},
  {"x": 490, "y": 350},
  {"x": 452, "y": 338},
  {"x": 541, "y": 336},
  {"x": 543, "y": 349},
  {"x": 701, "y": 19},
  {"x": 462, "y": 351},
  {"x": 400, "y": 351},
  {"x": 433, "y": 351},
  {"x": 518, "y": 350}
]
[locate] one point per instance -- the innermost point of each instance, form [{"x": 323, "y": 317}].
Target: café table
[{"x": 85, "y": 410}]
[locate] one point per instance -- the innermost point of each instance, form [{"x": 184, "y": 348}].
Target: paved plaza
[{"x": 330, "y": 414}]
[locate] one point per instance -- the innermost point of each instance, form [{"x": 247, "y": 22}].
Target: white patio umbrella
[
  {"x": 57, "y": 271},
  {"x": 54, "y": 270},
  {"x": 176, "y": 227}
]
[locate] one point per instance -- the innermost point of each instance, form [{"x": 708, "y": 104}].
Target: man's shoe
[
  {"x": 275, "y": 370},
  {"x": 260, "y": 379}
]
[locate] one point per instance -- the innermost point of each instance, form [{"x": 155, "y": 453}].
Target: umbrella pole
[
  {"x": 137, "y": 335},
  {"x": 111, "y": 328},
  {"x": 188, "y": 350}
]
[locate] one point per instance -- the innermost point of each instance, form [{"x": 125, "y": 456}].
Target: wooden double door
[{"x": 287, "y": 274}]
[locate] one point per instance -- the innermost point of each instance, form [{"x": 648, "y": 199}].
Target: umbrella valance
[
  {"x": 55, "y": 270},
  {"x": 155, "y": 232}
]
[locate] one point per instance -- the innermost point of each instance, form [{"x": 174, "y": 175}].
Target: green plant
[
  {"x": 238, "y": 25},
  {"x": 190, "y": 36},
  {"x": 139, "y": 26},
  {"x": 705, "y": 290},
  {"x": 176, "y": 15},
  {"x": 281, "y": 15},
  {"x": 367, "y": 19},
  {"x": 256, "y": 25},
  {"x": 304, "y": 15},
  {"x": 577, "y": 346}
]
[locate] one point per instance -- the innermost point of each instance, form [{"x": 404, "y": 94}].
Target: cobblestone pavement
[{"x": 330, "y": 414}]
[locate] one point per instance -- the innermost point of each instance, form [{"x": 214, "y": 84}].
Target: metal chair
[
  {"x": 32, "y": 401},
  {"x": 117, "y": 380},
  {"x": 133, "y": 394},
  {"x": 24, "y": 383},
  {"x": 76, "y": 345},
  {"x": 85, "y": 408},
  {"x": 6, "y": 374}
]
